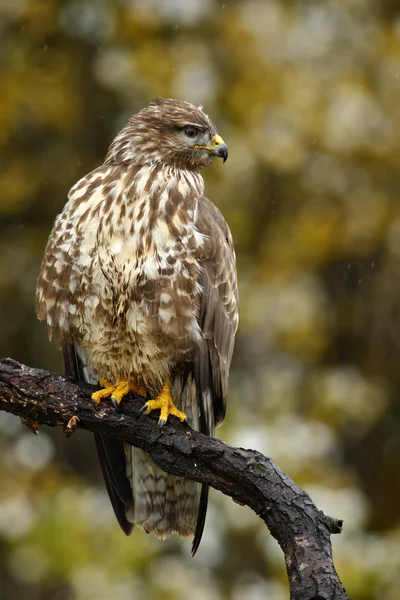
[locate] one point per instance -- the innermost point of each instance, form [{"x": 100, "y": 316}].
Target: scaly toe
[
  {"x": 120, "y": 391},
  {"x": 165, "y": 405},
  {"x": 98, "y": 396},
  {"x": 149, "y": 406},
  {"x": 177, "y": 413}
]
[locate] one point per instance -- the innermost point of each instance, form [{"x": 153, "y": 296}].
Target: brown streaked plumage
[{"x": 138, "y": 284}]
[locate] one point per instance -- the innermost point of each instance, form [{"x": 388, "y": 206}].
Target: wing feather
[
  {"x": 110, "y": 450},
  {"x": 218, "y": 319},
  {"x": 218, "y": 315}
]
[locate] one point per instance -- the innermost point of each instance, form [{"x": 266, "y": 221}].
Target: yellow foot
[
  {"x": 138, "y": 389},
  {"x": 117, "y": 392},
  {"x": 163, "y": 402}
]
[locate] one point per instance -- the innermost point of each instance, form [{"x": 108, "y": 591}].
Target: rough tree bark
[{"x": 302, "y": 531}]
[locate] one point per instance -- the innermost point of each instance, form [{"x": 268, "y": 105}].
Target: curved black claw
[
  {"x": 115, "y": 403},
  {"x": 161, "y": 423},
  {"x": 141, "y": 411}
]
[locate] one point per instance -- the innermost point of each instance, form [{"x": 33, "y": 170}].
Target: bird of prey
[{"x": 138, "y": 285}]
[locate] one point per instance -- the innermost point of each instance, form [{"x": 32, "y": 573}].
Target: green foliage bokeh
[{"x": 307, "y": 97}]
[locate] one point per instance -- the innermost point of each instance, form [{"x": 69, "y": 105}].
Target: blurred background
[{"x": 307, "y": 97}]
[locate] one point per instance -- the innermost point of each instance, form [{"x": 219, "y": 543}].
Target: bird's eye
[{"x": 191, "y": 132}]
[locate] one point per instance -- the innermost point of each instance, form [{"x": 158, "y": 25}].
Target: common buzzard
[{"x": 138, "y": 285}]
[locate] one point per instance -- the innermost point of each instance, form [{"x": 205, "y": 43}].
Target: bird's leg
[
  {"x": 165, "y": 403},
  {"x": 116, "y": 391},
  {"x": 137, "y": 389}
]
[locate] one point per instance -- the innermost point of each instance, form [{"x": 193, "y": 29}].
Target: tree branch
[{"x": 302, "y": 531}]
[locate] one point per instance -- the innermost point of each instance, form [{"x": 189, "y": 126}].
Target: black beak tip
[{"x": 222, "y": 152}]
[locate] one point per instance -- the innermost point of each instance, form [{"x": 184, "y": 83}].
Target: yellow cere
[
  {"x": 217, "y": 141},
  {"x": 214, "y": 143}
]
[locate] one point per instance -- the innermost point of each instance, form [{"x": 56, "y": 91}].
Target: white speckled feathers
[{"x": 120, "y": 269}]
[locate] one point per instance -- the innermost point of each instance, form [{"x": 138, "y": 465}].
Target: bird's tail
[
  {"x": 139, "y": 491},
  {"x": 162, "y": 503}
]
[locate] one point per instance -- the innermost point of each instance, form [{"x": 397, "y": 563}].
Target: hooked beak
[{"x": 216, "y": 147}]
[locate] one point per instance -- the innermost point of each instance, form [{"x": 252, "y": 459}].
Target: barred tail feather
[{"x": 164, "y": 504}]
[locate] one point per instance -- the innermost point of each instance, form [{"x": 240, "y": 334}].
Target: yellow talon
[
  {"x": 165, "y": 403},
  {"x": 104, "y": 393},
  {"x": 121, "y": 390},
  {"x": 117, "y": 391}
]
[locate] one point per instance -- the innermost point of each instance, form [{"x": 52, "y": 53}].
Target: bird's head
[{"x": 171, "y": 132}]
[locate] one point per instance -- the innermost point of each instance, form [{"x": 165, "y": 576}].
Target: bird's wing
[
  {"x": 110, "y": 450},
  {"x": 218, "y": 318}
]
